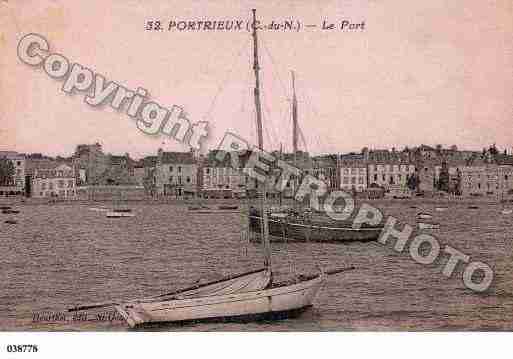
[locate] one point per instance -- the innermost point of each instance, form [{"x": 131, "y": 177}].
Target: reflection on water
[{"x": 61, "y": 255}]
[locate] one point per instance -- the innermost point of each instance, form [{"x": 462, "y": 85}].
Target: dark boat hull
[{"x": 282, "y": 230}]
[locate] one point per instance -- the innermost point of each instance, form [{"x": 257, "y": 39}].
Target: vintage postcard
[{"x": 243, "y": 166}]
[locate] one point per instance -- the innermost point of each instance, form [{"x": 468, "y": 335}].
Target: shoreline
[{"x": 274, "y": 202}]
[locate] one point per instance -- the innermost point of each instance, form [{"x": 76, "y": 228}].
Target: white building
[
  {"x": 353, "y": 176},
  {"x": 176, "y": 174},
  {"x": 54, "y": 181}
]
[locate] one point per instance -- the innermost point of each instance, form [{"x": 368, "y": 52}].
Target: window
[
  {"x": 345, "y": 180},
  {"x": 208, "y": 170},
  {"x": 360, "y": 180},
  {"x": 179, "y": 178},
  {"x": 61, "y": 183},
  {"x": 384, "y": 178},
  {"x": 353, "y": 171},
  {"x": 70, "y": 183},
  {"x": 171, "y": 169},
  {"x": 375, "y": 177},
  {"x": 50, "y": 186},
  {"x": 188, "y": 180},
  {"x": 179, "y": 169},
  {"x": 170, "y": 179},
  {"x": 18, "y": 163},
  {"x": 353, "y": 180},
  {"x": 346, "y": 171},
  {"x": 43, "y": 186}
]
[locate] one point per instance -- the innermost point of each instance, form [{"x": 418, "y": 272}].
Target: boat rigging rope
[{"x": 225, "y": 81}]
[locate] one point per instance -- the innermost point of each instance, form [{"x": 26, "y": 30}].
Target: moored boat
[
  {"x": 287, "y": 228},
  {"x": 282, "y": 299},
  {"x": 428, "y": 225},
  {"x": 227, "y": 207},
  {"x": 424, "y": 215},
  {"x": 122, "y": 210},
  {"x": 116, "y": 214}
]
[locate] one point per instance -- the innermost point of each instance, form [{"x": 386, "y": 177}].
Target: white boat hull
[
  {"x": 261, "y": 302},
  {"x": 119, "y": 214},
  {"x": 428, "y": 225}
]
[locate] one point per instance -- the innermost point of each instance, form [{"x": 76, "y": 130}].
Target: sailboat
[
  {"x": 119, "y": 212},
  {"x": 299, "y": 225},
  {"x": 249, "y": 295}
]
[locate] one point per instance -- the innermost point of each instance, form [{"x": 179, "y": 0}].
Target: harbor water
[{"x": 60, "y": 255}]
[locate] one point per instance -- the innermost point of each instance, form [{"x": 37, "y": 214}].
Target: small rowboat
[
  {"x": 10, "y": 211},
  {"x": 122, "y": 210},
  {"x": 215, "y": 211},
  {"x": 227, "y": 207},
  {"x": 424, "y": 225},
  {"x": 5, "y": 207},
  {"x": 99, "y": 209},
  {"x": 423, "y": 215},
  {"x": 197, "y": 208},
  {"x": 113, "y": 214}
]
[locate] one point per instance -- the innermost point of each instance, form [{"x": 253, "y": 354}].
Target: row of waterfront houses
[{"x": 91, "y": 174}]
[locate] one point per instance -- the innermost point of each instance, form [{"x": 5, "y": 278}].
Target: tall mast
[
  {"x": 294, "y": 115},
  {"x": 256, "y": 90},
  {"x": 265, "y": 222},
  {"x": 294, "y": 128}
]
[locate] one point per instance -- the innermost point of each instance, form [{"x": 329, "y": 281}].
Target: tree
[
  {"x": 493, "y": 150},
  {"x": 6, "y": 172},
  {"x": 412, "y": 182}
]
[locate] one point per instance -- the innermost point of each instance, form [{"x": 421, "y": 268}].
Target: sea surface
[{"x": 60, "y": 255}]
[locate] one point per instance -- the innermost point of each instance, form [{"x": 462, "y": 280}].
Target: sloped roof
[{"x": 186, "y": 158}]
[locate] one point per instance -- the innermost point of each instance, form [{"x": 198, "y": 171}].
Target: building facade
[
  {"x": 57, "y": 181},
  {"x": 176, "y": 174},
  {"x": 18, "y": 162}
]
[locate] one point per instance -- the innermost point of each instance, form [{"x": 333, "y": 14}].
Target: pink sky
[{"x": 421, "y": 72}]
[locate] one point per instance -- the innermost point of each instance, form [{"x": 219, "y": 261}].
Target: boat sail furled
[{"x": 252, "y": 294}]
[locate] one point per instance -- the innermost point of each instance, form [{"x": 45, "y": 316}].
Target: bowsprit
[{"x": 205, "y": 25}]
